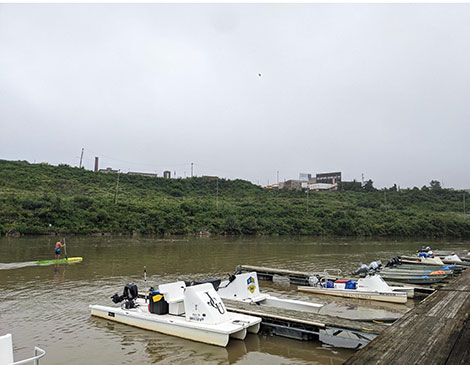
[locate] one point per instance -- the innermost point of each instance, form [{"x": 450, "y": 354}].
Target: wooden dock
[
  {"x": 436, "y": 331},
  {"x": 267, "y": 273},
  {"x": 301, "y": 317}
]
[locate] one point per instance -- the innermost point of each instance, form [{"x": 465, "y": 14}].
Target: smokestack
[{"x": 96, "y": 164}]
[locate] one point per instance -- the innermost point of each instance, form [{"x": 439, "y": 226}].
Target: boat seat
[{"x": 173, "y": 292}]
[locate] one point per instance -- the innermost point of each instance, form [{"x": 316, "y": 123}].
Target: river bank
[{"x": 40, "y": 199}]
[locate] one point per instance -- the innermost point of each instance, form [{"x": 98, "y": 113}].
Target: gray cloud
[{"x": 375, "y": 88}]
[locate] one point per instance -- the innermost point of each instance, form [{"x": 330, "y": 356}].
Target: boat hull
[
  {"x": 415, "y": 280},
  {"x": 178, "y": 326},
  {"x": 390, "y": 297}
]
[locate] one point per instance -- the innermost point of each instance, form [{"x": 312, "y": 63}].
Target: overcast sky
[{"x": 378, "y": 89}]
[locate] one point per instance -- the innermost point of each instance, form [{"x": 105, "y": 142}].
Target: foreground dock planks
[{"x": 437, "y": 331}]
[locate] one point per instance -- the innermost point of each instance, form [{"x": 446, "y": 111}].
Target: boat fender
[
  {"x": 329, "y": 284},
  {"x": 350, "y": 284}
]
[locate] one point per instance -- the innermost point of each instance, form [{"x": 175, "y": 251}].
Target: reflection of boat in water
[
  {"x": 195, "y": 312},
  {"x": 372, "y": 287},
  {"x": 254, "y": 349},
  {"x": 338, "y": 337},
  {"x": 6, "y": 352}
]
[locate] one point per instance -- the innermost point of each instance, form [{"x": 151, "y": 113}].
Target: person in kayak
[{"x": 58, "y": 245}]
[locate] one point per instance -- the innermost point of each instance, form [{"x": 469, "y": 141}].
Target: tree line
[{"x": 45, "y": 199}]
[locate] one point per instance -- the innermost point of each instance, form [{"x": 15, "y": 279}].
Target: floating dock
[
  {"x": 436, "y": 331},
  {"x": 267, "y": 273},
  {"x": 302, "y": 325}
]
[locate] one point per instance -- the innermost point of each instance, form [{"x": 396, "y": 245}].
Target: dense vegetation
[{"x": 39, "y": 198}]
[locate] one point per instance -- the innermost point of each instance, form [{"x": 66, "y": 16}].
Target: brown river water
[{"x": 47, "y": 306}]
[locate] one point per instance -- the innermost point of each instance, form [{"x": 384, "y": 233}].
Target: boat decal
[
  {"x": 111, "y": 314},
  {"x": 251, "y": 284}
]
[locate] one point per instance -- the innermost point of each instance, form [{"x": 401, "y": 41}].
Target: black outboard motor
[
  {"x": 393, "y": 261},
  {"x": 129, "y": 294}
]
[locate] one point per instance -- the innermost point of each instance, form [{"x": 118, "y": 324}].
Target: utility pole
[
  {"x": 362, "y": 179},
  {"x": 81, "y": 158},
  {"x": 385, "y": 199},
  {"x": 192, "y": 169},
  {"x": 307, "y": 197},
  {"x": 464, "y": 202},
  {"x": 117, "y": 189},
  {"x": 278, "y": 178},
  {"x": 217, "y": 193}
]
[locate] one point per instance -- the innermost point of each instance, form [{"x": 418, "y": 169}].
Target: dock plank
[
  {"x": 315, "y": 319},
  {"x": 437, "y": 331}
]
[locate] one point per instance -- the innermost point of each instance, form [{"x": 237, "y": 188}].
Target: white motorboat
[
  {"x": 6, "y": 352},
  {"x": 195, "y": 312},
  {"x": 372, "y": 287},
  {"x": 244, "y": 287}
]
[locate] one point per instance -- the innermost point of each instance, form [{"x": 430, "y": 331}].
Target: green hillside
[{"x": 40, "y": 198}]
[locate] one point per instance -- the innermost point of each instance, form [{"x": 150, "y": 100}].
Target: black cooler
[{"x": 157, "y": 303}]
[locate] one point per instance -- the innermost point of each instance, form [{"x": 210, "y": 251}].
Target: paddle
[{"x": 65, "y": 249}]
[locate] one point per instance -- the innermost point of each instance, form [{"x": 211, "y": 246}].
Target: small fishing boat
[
  {"x": 422, "y": 260},
  {"x": 415, "y": 270},
  {"x": 418, "y": 279},
  {"x": 372, "y": 287},
  {"x": 6, "y": 352},
  {"x": 397, "y": 262},
  {"x": 454, "y": 260},
  {"x": 430, "y": 259},
  {"x": 244, "y": 287},
  {"x": 193, "y": 312},
  {"x": 69, "y": 260}
]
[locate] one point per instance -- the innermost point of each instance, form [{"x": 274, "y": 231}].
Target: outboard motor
[
  {"x": 313, "y": 280},
  {"x": 362, "y": 271},
  {"x": 394, "y": 261},
  {"x": 129, "y": 294}
]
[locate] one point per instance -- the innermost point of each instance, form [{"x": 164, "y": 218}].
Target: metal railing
[{"x": 38, "y": 353}]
